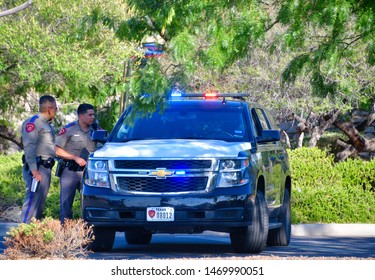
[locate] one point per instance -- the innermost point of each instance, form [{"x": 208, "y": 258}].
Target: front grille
[
  {"x": 171, "y": 184},
  {"x": 168, "y": 164}
]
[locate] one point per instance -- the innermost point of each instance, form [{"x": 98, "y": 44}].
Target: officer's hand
[
  {"x": 36, "y": 175},
  {"x": 80, "y": 161}
]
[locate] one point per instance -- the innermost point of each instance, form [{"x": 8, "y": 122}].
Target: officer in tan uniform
[
  {"x": 38, "y": 138},
  {"x": 73, "y": 146}
]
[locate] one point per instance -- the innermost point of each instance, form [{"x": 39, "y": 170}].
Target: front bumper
[{"x": 193, "y": 213}]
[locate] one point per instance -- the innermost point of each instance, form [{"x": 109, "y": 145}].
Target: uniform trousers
[
  {"x": 34, "y": 202},
  {"x": 70, "y": 182}
]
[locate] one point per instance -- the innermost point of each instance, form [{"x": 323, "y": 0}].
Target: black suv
[{"x": 193, "y": 165}]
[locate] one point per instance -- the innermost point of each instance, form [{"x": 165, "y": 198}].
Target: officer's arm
[
  {"x": 30, "y": 137},
  {"x": 60, "y": 152}
]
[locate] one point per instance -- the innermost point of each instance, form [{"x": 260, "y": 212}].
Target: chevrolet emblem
[{"x": 161, "y": 173}]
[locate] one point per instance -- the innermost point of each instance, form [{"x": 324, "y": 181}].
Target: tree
[
  {"x": 324, "y": 52},
  {"x": 331, "y": 42},
  {"x": 48, "y": 49}
]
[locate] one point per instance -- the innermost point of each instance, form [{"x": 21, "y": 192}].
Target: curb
[{"x": 334, "y": 230}]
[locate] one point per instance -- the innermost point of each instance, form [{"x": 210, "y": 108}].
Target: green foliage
[
  {"x": 325, "y": 39},
  {"x": 357, "y": 173},
  {"x": 335, "y": 34},
  {"x": 49, "y": 47},
  {"x": 328, "y": 192},
  {"x": 12, "y": 187},
  {"x": 312, "y": 167}
]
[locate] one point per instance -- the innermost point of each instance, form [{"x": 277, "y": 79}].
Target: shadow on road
[{"x": 218, "y": 246}]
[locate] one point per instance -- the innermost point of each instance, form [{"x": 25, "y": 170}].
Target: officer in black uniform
[
  {"x": 73, "y": 146},
  {"x": 38, "y": 138}
]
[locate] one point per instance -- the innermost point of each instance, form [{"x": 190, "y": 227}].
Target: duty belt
[
  {"x": 48, "y": 163},
  {"x": 72, "y": 165}
]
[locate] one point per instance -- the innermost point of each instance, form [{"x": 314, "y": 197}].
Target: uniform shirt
[
  {"x": 38, "y": 137},
  {"x": 76, "y": 141}
]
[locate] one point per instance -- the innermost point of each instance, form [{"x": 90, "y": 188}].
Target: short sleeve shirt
[
  {"x": 75, "y": 141},
  {"x": 38, "y": 138}
]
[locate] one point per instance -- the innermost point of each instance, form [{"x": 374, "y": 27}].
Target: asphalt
[{"x": 333, "y": 230}]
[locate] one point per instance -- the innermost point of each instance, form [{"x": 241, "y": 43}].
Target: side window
[
  {"x": 255, "y": 123},
  {"x": 263, "y": 119},
  {"x": 260, "y": 120}
]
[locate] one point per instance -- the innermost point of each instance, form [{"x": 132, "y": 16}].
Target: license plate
[{"x": 160, "y": 214}]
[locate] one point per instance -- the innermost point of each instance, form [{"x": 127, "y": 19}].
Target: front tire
[
  {"x": 252, "y": 239},
  {"x": 281, "y": 236},
  {"x": 103, "y": 239}
]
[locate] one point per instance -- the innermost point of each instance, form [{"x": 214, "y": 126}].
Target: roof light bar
[{"x": 180, "y": 94}]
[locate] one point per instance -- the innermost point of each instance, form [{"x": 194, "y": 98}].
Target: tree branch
[
  {"x": 12, "y": 139},
  {"x": 16, "y": 9}
]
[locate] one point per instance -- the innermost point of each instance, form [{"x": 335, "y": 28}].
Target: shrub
[
  {"x": 48, "y": 239},
  {"x": 327, "y": 192},
  {"x": 12, "y": 187}
]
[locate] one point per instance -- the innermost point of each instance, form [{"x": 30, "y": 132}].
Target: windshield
[{"x": 221, "y": 123}]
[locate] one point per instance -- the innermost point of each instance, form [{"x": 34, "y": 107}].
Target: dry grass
[{"x": 48, "y": 239}]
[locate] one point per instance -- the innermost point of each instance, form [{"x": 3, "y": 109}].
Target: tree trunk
[
  {"x": 7, "y": 134},
  {"x": 357, "y": 143},
  {"x": 325, "y": 120}
]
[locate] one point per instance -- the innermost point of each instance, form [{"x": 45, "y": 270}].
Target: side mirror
[
  {"x": 269, "y": 136},
  {"x": 99, "y": 136}
]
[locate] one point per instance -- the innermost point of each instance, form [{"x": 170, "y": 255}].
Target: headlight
[
  {"x": 232, "y": 173},
  {"x": 97, "y": 174}
]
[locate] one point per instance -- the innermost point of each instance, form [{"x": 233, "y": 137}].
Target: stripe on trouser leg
[{"x": 28, "y": 206}]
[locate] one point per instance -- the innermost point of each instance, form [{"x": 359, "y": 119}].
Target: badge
[
  {"x": 62, "y": 131},
  {"x": 29, "y": 127}
]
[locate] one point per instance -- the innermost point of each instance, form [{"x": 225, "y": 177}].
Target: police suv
[{"x": 198, "y": 163}]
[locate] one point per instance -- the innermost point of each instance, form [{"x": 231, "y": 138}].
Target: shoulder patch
[
  {"x": 63, "y": 130},
  {"x": 30, "y": 126}
]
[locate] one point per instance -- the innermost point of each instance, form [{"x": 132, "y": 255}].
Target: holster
[
  {"x": 73, "y": 166},
  {"x": 24, "y": 162},
  {"x": 49, "y": 163},
  {"x": 60, "y": 168}
]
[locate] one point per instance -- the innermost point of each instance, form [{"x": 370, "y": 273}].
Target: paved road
[
  {"x": 305, "y": 242},
  {"x": 212, "y": 245}
]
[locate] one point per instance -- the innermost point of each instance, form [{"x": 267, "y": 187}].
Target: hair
[
  {"x": 83, "y": 108},
  {"x": 45, "y": 100}
]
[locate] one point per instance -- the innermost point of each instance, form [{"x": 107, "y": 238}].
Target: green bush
[
  {"x": 12, "y": 187},
  {"x": 327, "y": 192}
]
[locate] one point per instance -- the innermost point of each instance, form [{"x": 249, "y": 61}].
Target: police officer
[
  {"x": 38, "y": 138},
  {"x": 73, "y": 146}
]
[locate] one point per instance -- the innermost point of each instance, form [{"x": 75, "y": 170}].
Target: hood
[{"x": 176, "y": 148}]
